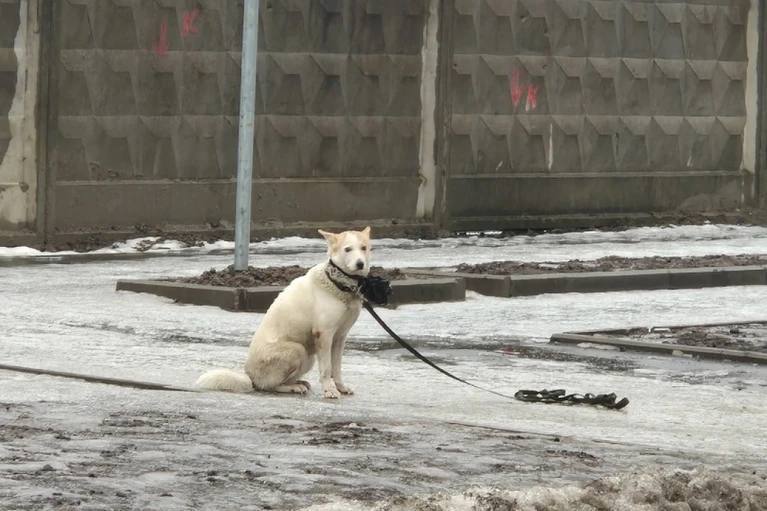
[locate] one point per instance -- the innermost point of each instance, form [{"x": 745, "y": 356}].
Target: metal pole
[{"x": 248, "y": 86}]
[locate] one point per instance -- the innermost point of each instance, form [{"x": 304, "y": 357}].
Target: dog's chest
[{"x": 350, "y": 315}]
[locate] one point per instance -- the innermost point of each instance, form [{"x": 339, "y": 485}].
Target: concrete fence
[{"x": 411, "y": 115}]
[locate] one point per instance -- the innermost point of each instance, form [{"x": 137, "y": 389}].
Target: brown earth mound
[
  {"x": 270, "y": 276},
  {"x": 611, "y": 263}
]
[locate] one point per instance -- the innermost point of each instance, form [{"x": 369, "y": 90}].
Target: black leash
[
  {"x": 377, "y": 290},
  {"x": 421, "y": 357},
  {"x": 119, "y": 382},
  {"x": 560, "y": 396}
]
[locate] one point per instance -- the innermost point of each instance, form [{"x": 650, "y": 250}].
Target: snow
[
  {"x": 695, "y": 240},
  {"x": 68, "y": 317},
  {"x": 10, "y": 252}
]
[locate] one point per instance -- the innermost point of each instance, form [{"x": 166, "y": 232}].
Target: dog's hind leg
[
  {"x": 291, "y": 388},
  {"x": 293, "y": 384},
  {"x": 278, "y": 370}
]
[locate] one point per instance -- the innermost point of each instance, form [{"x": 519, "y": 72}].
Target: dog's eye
[
  {"x": 348, "y": 249},
  {"x": 364, "y": 248}
]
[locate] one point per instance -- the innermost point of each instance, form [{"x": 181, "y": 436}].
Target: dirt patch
[
  {"x": 700, "y": 337},
  {"x": 346, "y": 434},
  {"x": 252, "y": 277},
  {"x": 612, "y": 263},
  {"x": 270, "y": 276},
  {"x": 106, "y": 239},
  {"x": 84, "y": 243},
  {"x": 748, "y": 337}
]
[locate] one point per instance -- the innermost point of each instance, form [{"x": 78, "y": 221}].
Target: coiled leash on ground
[
  {"x": 377, "y": 290},
  {"x": 560, "y": 396}
]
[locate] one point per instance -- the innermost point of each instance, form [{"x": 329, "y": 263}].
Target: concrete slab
[
  {"x": 224, "y": 297},
  {"x": 596, "y": 282},
  {"x": 428, "y": 291},
  {"x": 258, "y": 299},
  {"x": 622, "y": 343},
  {"x": 688, "y": 278},
  {"x": 488, "y": 285}
]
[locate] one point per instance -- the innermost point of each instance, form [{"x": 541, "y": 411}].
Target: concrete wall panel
[
  {"x": 642, "y": 92},
  {"x": 147, "y": 94},
  {"x": 276, "y": 203},
  {"x": 449, "y": 113},
  {"x": 18, "y": 95}
]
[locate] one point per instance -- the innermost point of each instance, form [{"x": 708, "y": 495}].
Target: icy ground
[{"x": 408, "y": 432}]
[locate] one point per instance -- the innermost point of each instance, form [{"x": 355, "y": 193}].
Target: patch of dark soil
[
  {"x": 10, "y": 432},
  {"x": 148, "y": 422},
  {"x": 84, "y": 243},
  {"x": 346, "y": 435},
  {"x": 252, "y": 277},
  {"x": 750, "y": 337},
  {"x": 612, "y": 263},
  {"x": 671, "y": 219},
  {"x": 699, "y": 337},
  {"x": 270, "y": 276},
  {"x": 104, "y": 239}
]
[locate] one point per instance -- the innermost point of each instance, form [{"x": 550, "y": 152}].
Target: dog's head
[{"x": 350, "y": 250}]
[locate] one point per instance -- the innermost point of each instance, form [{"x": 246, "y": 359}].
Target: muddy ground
[
  {"x": 409, "y": 439},
  {"x": 174, "y": 452},
  {"x": 612, "y": 263},
  {"x": 90, "y": 242},
  {"x": 271, "y": 276}
]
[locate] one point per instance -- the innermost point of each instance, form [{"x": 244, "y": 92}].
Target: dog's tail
[{"x": 225, "y": 380}]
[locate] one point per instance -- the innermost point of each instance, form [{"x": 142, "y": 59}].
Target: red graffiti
[
  {"x": 188, "y": 21},
  {"x": 515, "y": 89},
  {"x": 161, "y": 45},
  {"x": 532, "y": 97}
]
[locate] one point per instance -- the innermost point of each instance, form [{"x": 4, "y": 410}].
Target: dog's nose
[{"x": 360, "y": 265}]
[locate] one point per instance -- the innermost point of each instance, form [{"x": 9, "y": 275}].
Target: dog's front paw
[
  {"x": 344, "y": 389},
  {"x": 330, "y": 391}
]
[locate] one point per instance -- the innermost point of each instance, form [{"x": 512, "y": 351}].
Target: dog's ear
[
  {"x": 366, "y": 232},
  {"x": 329, "y": 236}
]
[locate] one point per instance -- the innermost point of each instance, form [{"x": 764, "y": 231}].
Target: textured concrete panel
[
  {"x": 18, "y": 77},
  {"x": 565, "y": 87},
  {"x": 540, "y": 100},
  {"x": 200, "y": 204},
  {"x": 572, "y": 194},
  {"x": 148, "y": 92},
  {"x": 9, "y": 26}
]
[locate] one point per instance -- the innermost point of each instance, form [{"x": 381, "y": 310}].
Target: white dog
[{"x": 312, "y": 316}]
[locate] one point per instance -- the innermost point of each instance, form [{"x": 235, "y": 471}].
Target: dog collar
[
  {"x": 372, "y": 289},
  {"x": 342, "y": 280}
]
